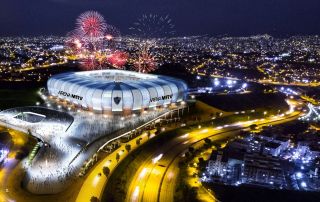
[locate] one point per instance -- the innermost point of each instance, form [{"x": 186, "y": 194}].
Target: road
[
  {"x": 96, "y": 181},
  {"x": 314, "y": 84},
  {"x": 156, "y": 177},
  {"x": 19, "y": 140}
]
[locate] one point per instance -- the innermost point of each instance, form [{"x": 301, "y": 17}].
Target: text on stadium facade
[
  {"x": 155, "y": 99},
  {"x": 70, "y": 95},
  {"x": 165, "y": 97}
]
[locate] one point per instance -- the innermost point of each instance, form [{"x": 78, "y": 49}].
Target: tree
[
  {"x": 128, "y": 147},
  {"x": 202, "y": 162},
  {"x": 253, "y": 126},
  {"x": 187, "y": 155},
  {"x": 211, "y": 115},
  {"x": 207, "y": 141},
  {"x": 94, "y": 199},
  {"x": 106, "y": 171},
  {"x": 217, "y": 145},
  {"x": 192, "y": 194},
  {"x": 181, "y": 164}
]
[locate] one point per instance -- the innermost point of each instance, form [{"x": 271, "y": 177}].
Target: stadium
[{"x": 116, "y": 91}]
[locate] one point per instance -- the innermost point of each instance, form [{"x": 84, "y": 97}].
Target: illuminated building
[{"x": 116, "y": 91}]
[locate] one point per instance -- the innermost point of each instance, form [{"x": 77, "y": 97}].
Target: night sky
[{"x": 279, "y": 18}]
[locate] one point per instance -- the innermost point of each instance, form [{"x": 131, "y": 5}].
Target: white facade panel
[
  {"x": 127, "y": 99},
  {"x": 138, "y": 99},
  {"x": 106, "y": 98},
  {"x": 116, "y": 90},
  {"x": 97, "y": 100}
]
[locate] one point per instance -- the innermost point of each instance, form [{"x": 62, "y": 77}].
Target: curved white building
[{"x": 107, "y": 91}]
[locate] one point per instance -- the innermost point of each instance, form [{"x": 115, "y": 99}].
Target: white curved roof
[{"x": 116, "y": 90}]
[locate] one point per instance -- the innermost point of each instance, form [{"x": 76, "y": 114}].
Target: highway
[
  {"x": 19, "y": 140},
  {"x": 270, "y": 82},
  {"x": 96, "y": 181},
  {"x": 156, "y": 177}
]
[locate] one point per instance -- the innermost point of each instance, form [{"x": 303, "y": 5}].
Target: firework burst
[
  {"x": 111, "y": 36},
  {"x": 145, "y": 62},
  {"x": 74, "y": 42},
  {"x": 89, "y": 63},
  {"x": 118, "y": 59},
  {"x": 97, "y": 60},
  {"x": 91, "y": 25},
  {"x": 153, "y": 26},
  {"x": 93, "y": 40}
]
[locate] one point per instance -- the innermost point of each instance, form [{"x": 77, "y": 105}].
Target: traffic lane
[
  {"x": 152, "y": 188},
  {"x": 167, "y": 189},
  {"x": 147, "y": 168},
  {"x": 186, "y": 141},
  {"x": 169, "y": 183}
]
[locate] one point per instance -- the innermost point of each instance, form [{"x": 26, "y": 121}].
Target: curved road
[{"x": 155, "y": 180}]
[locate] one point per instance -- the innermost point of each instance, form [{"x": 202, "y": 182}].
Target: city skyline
[{"x": 159, "y": 100}]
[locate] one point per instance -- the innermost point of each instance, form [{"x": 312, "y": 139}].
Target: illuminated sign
[
  {"x": 77, "y": 97},
  {"x": 165, "y": 97}
]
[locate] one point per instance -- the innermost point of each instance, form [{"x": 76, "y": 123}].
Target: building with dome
[{"x": 116, "y": 91}]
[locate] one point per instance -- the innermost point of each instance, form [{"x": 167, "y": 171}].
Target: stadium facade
[{"x": 111, "y": 91}]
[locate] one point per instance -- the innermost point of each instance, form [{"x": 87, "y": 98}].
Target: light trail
[
  {"x": 135, "y": 194},
  {"x": 143, "y": 173},
  {"x": 156, "y": 159}
]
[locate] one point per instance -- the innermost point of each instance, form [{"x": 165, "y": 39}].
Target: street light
[{"x": 303, "y": 184}]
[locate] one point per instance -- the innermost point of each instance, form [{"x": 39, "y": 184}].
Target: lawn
[
  {"x": 16, "y": 98},
  {"x": 240, "y": 102}
]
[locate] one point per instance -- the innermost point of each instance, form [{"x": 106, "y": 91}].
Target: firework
[
  {"x": 91, "y": 25},
  {"x": 74, "y": 42},
  {"x": 145, "y": 62},
  {"x": 153, "y": 26},
  {"x": 92, "y": 40},
  {"x": 89, "y": 63},
  {"x": 91, "y": 28},
  {"x": 118, "y": 59},
  {"x": 97, "y": 60},
  {"x": 111, "y": 35}
]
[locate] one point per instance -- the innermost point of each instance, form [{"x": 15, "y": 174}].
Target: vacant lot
[
  {"x": 239, "y": 102},
  {"x": 16, "y": 98}
]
